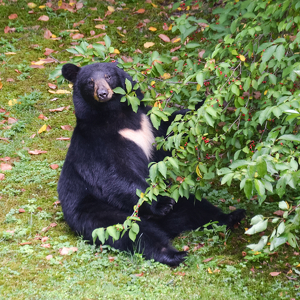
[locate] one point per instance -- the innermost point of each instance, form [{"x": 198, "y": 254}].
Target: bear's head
[{"x": 96, "y": 82}]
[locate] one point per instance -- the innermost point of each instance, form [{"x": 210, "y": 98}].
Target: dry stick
[
  {"x": 55, "y": 59},
  {"x": 263, "y": 132}
]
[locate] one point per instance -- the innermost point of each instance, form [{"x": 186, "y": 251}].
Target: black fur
[{"x": 102, "y": 170}]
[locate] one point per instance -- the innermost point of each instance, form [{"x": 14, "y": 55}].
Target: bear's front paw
[
  {"x": 162, "y": 206},
  {"x": 235, "y": 217}
]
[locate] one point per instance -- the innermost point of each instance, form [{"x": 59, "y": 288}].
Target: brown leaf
[
  {"x": 44, "y": 239},
  {"x": 180, "y": 179},
  {"x": 48, "y": 51},
  {"x": 139, "y": 275},
  {"x": 100, "y": 26},
  {"x": 174, "y": 49},
  {"x": 98, "y": 19},
  {"x": 21, "y": 210},
  {"x": 48, "y": 257},
  {"x": 186, "y": 248},
  {"x": 111, "y": 21},
  {"x": 37, "y": 66},
  {"x": 12, "y": 16},
  {"x": 36, "y": 152},
  {"x": 279, "y": 213},
  {"x": 201, "y": 53},
  {"x": 232, "y": 208},
  {"x": 92, "y": 32},
  {"x": 180, "y": 273},
  {"x": 208, "y": 259},
  {"x": 67, "y": 127},
  {"x": 79, "y": 5},
  {"x": 52, "y": 86},
  {"x": 25, "y": 243},
  {"x": 47, "y": 34},
  {"x": 140, "y": 11},
  {"x": 45, "y": 245},
  {"x": 5, "y": 167},
  {"x": 11, "y": 120},
  {"x": 164, "y": 38},
  {"x": 2, "y": 176},
  {"x": 244, "y": 253},
  {"x": 111, "y": 258},
  {"x": 275, "y": 273},
  {"x": 63, "y": 139},
  {"x": 77, "y": 36},
  {"x": 54, "y": 166},
  {"x": 42, "y": 117},
  {"x": 53, "y": 225},
  {"x": 66, "y": 251},
  {"x": 10, "y": 80},
  {"x": 57, "y": 109},
  {"x": 43, "y": 18},
  {"x": 257, "y": 95},
  {"x": 165, "y": 26}
]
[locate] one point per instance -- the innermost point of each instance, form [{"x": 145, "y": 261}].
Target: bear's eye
[
  {"x": 91, "y": 82},
  {"x": 108, "y": 77}
]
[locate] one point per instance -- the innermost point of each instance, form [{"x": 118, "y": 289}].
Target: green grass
[{"x": 91, "y": 273}]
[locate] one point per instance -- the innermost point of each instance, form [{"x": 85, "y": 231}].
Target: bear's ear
[{"x": 70, "y": 71}]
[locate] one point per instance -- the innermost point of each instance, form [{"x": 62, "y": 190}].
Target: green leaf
[
  {"x": 259, "y": 187},
  {"x": 280, "y": 51},
  {"x": 162, "y": 168},
  {"x": 259, "y": 227},
  {"x": 261, "y": 167},
  {"x": 227, "y": 178},
  {"x": 248, "y": 188},
  {"x": 173, "y": 162},
  {"x": 192, "y": 45},
  {"x": 132, "y": 235},
  {"x": 153, "y": 172},
  {"x": 283, "y": 205},
  {"x": 247, "y": 84},
  {"x": 239, "y": 163},
  {"x": 260, "y": 245},
  {"x": 290, "y": 137},
  {"x": 135, "y": 228},
  {"x": 119, "y": 90},
  {"x": 235, "y": 89},
  {"x": 100, "y": 234},
  {"x": 112, "y": 231},
  {"x": 107, "y": 41},
  {"x": 268, "y": 53},
  {"x": 128, "y": 85},
  {"x": 257, "y": 219},
  {"x": 200, "y": 78}
]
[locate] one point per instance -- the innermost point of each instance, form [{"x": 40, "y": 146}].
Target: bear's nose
[{"x": 102, "y": 94}]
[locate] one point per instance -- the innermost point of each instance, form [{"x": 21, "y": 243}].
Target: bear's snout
[{"x": 102, "y": 90}]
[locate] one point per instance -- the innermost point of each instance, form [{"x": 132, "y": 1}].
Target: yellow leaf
[
  {"x": 188, "y": 8},
  {"x": 198, "y": 87},
  {"x": 152, "y": 82},
  {"x": 42, "y": 6},
  {"x": 265, "y": 93},
  {"x": 116, "y": 51},
  {"x": 119, "y": 33},
  {"x": 154, "y": 5},
  {"x": 170, "y": 27},
  {"x": 298, "y": 266},
  {"x": 179, "y": 8},
  {"x": 209, "y": 271},
  {"x": 177, "y": 40},
  {"x": 166, "y": 76},
  {"x": 198, "y": 171},
  {"x": 59, "y": 3},
  {"x": 100, "y": 26},
  {"x": 242, "y": 58},
  {"x": 70, "y": 85},
  {"x": 43, "y": 128},
  {"x": 287, "y": 205},
  {"x": 246, "y": 229},
  {"x": 149, "y": 44},
  {"x": 53, "y": 36},
  {"x": 110, "y": 8},
  {"x": 152, "y": 28},
  {"x": 31, "y": 5},
  {"x": 59, "y": 92},
  {"x": 38, "y": 63},
  {"x": 12, "y": 102},
  {"x": 10, "y": 53},
  {"x": 156, "y": 103}
]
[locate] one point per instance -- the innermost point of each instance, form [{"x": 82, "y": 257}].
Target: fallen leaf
[
  {"x": 152, "y": 28},
  {"x": 5, "y": 167},
  {"x": 186, "y": 248},
  {"x": 59, "y": 92},
  {"x": 25, "y": 243},
  {"x": 201, "y": 53},
  {"x": 10, "y": 80},
  {"x": 100, "y": 26},
  {"x": 278, "y": 213},
  {"x": 180, "y": 273},
  {"x": 44, "y": 239},
  {"x": 79, "y": 5},
  {"x": 63, "y": 138},
  {"x": 209, "y": 271},
  {"x": 43, "y": 128},
  {"x": 67, "y": 127},
  {"x": 232, "y": 208},
  {"x": 12, "y": 16},
  {"x": 2, "y": 176},
  {"x": 148, "y": 44},
  {"x": 140, "y": 11},
  {"x": 208, "y": 259},
  {"x": 66, "y": 251},
  {"x": 45, "y": 245},
  {"x": 164, "y": 38},
  {"x": 77, "y": 36},
  {"x": 48, "y": 51},
  {"x": 275, "y": 273},
  {"x": 21, "y": 210},
  {"x": 166, "y": 76},
  {"x": 33, "y": 135},
  {"x": 174, "y": 49},
  {"x": 48, "y": 257},
  {"x": 111, "y": 258},
  {"x": 47, "y": 34},
  {"x": 36, "y": 152},
  {"x": 43, "y": 18},
  {"x": 92, "y": 32},
  {"x": 175, "y": 40},
  {"x": 165, "y": 26},
  {"x": 57, "y": 109},
  {"x": 54, "y": 166},
  {"x": 31, "y": 5},
  {"x": 139, "y": 275}
]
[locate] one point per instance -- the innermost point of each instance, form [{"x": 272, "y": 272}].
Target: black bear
[{"x": 107, "y": 161}]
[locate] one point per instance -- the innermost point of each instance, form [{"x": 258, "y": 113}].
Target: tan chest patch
[{"x": 143, "y": 137}]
